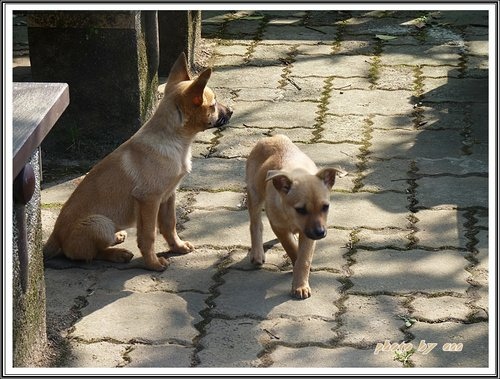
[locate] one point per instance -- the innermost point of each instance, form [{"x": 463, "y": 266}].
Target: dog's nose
[
  {"x": 229, "y": 113},
  {"x": 225, "y": 114},
  {"x": 317, "y": 233}
]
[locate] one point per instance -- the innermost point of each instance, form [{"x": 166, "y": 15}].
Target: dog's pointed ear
[
  {"x": 281, "y": 181},
  {"x": 328, "y": 175},
  {"x": 196, "y": 88},
  {"x": 179, "y": 71}
]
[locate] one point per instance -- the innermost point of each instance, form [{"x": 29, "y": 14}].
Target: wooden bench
[{"x": 36, "y": 108}]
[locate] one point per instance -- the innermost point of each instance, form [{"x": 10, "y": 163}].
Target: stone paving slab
[
  {"x": 473, "y": 337},
  {"x": 266, "y": 294},
  {"x": 356, "y": 45},
  {"x": 330, "y": 357},
  {"x": 154, "y": 356},
  {"x": 190, "y": 272},
  {"x": 406, "y": 258},
  {"x": 91, "y": 355},
  {"x": 215, "y": 174},
  {"x": 394, "y": 271},
  {"x": 344, "y": 155},
  {"x": 441, "y": 229},
  {"x": 213, "y": 200},
  {"x": 276, "y": 258},
  {"x": 59, "y": 193},
  {"x": 264, "y": 114},
  {"x": 330, "y": 251},
  {"x": 405, "y": 122},
  {"x": 395, "y": 78},
  {"x": 338, "y": 65},
  {"x": 238, "y": 142},
  {"x": 455, "y": 166},
  {"x": 378, "y": 239},
  {"x": 443, "y": 115},
  {"x": 297, "y": 135},
  {"x": 295, "y": 34},
  {"x": 131, "y": 316},
  {"x": 358, "y": 102},
  {"x": 264, "y": 94},
  {"x": 414, "y": 144},
  {"x": 387, "y": 175},
  {"x": 247, "y": 76},
  {"x": 456, "y": 90},
  {"x": 221, "y": 227},
  {"x": 436, "y": 309},
  {"x": 473, "y": 192},
  {"x": 247, "y": 339},
  {"x": 385, "y": 210},
  {"x": 343, "y": 129},
  {"x": 481, "y": 304},
  {"x": 482, "y": 250},
  {"x": 263, "y": 55},
  {"x": 421, "y": 55},
  {"x": 361, "y": 324}
]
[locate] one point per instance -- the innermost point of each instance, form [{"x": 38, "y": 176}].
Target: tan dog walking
[
  {"x": 296, "y": 196},
  {"x": 136, "y": 183}
]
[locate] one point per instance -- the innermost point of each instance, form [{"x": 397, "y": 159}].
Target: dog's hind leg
[
  {"x": 254, "y": 204},
  {"x": 114, "y": 254},
  {"x": 288, "y": 241},
  {"x": 51, "y": 248},
  {"x": 92, "y": 238}
]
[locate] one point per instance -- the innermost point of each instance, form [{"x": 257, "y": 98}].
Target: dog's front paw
[
  {"x": 258, "y": 258},
  {"x": 183, "y": 247},
  {"x": 302, "y": 292}
]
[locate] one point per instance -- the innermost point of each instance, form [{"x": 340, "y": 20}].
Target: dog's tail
[{"x": 51, "y": 249}]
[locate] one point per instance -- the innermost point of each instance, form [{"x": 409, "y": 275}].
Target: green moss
[
  {"x": 338, "y": 36},
  {"x": 258, "y": 36},
  {"x": 374, "y": 71},
  {"x": 363, "y": 156},
  {"x": 319, "y": 121},
  {"x": 51, "y": 206},
  {"x": 404, "y": 357}
]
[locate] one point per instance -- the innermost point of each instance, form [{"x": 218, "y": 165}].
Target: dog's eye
[
  {"x": 301, "y": 210},
  {"x": 325, "y": 207}
]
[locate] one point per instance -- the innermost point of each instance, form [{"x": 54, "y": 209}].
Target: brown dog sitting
[
  {"x": 296, "y": 197},
  {"x": 136, "y": 183}
]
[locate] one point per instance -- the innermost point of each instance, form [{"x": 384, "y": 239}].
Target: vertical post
[
  {"x": 109, "y": 59},
  {"x": 180, "y": 31},
  {"x": 29, "y": 325}
]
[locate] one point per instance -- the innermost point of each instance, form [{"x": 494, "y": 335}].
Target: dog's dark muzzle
[
  {"x": 316, "y": 233},
  {"x": 225, "y": 114}
]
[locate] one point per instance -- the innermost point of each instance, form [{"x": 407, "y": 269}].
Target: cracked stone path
[{"x": 405, "y": 263}]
